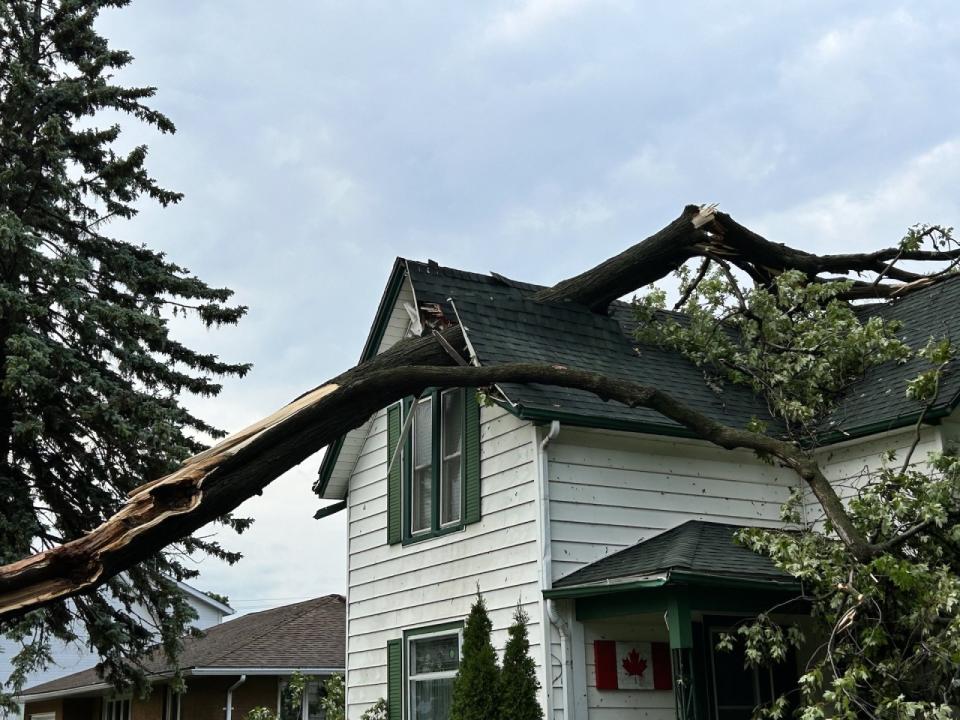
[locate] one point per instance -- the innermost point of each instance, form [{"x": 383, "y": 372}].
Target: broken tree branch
[
  {"x": 218, "y": 480},
  {"x": 704, "y": 231}
]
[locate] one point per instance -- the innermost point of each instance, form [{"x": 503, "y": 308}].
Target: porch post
[{"x": 681, "y": 655}]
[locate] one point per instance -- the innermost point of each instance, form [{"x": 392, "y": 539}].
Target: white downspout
[
  {"x": 546, "y": 582},
  {"x": 238, "y": 683}
]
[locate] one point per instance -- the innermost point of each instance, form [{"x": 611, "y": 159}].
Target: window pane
[
  {"x": 314, "y": 693},
  {"x": 436, "y": 654},
  {"x": 450, "y": 480},
  {"x": 290, "y": 706},
  {"x": 452, "y": 422},
  {"x": 420, "y": 500},
  {"x": 421, "y": 482},
  {"x": 432, "y": 699},
  {"x": 450, "y": 492},
  {"x": 423, "y": 433}
]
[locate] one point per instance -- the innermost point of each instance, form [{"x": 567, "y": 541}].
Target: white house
[
  {"x": 69, "y": 658},
  {"x": 610, "y": 525}
]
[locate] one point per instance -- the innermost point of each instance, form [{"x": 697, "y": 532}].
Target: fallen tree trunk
[
  {"x": 215, "y": 482},
  {"x": 218, "y": 480},
  {"x": 703, "y": 231}
]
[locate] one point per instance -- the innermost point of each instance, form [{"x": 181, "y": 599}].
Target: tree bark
[
  {"x": 218, "y": 480},
  {"x": 702, "y": 231},
  {"x": 643, "y": 264}
]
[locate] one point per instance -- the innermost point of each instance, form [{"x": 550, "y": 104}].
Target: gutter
[
  {"x": 238, "y": 683},
  {"x": 672, "y": 578},
  {"x": 546, "y": 583},
  {"x": 190, "y": 672}
]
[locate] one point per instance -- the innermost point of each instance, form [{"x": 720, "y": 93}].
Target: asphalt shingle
[
  {"x": 696, "y": 546},
  {"x": 309, "y": 634},
  {"x": 504, "y": 325}
]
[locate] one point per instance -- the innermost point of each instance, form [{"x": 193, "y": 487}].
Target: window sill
[{"x": 414, "y": 539}]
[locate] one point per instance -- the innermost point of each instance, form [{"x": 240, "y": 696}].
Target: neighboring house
[
  {"x": 71, "y": 657},
  {"x": 558, "y": 501},
  {"x": 235, "y": 667}
]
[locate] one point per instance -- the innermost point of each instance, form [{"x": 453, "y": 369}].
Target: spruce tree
[
  {"x": 90, "y": 375},
  {"x": 476, "y": 687},
  {"x": 518, "y": 676}
]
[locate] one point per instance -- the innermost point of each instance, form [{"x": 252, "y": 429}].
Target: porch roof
[{"x": 696, "y": 551}]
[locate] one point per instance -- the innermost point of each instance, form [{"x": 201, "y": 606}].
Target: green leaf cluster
[
  {"x": 518, "y": 675},
  {"x": 886, "y": 627},
  {"x": 484, "y": 691},
  {"x": 476, "y": 686}
]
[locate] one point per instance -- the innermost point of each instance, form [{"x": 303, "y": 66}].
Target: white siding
[
  {"x": 623, "y": 704},
  {"x": 393, "y": 587},
  {"x": 611, "y": 490},
  {"x": 951, "y": 433},
  {"x": 848, "y": 465}
]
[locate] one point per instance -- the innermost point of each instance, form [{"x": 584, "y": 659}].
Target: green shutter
[
  {"x": 395, "y": 680},
  {"x": 394, "y": 479},
  {"x": 471, "y": 463}
]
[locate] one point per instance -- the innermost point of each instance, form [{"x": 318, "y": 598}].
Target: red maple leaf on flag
[{"x": 633, "y": 664}]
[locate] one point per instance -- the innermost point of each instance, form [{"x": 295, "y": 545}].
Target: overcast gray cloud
[{"x": 318, "y": 140}]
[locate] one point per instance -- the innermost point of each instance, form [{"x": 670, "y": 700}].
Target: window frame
[
  {"x": 436, "y": 529},
  {"x": 109, "y": 702},
  {"x": 171, "y": 704},
  {"x": 425, "y": 633},
  {"x": 318, "y": 680}
]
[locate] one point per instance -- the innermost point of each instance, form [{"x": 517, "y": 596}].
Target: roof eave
[
  {"x": 672, "y": 578},
  {"x": 187, "y": 672}
]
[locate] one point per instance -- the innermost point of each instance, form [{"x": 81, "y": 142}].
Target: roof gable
[{"x": 503, "y": 325}]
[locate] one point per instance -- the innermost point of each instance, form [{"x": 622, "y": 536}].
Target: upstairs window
[
  {"x": 434, "y": 482},
  {"x": 436, "y": 462}
]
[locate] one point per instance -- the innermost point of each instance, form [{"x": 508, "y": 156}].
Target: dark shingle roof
[
  {"x": 309, "y": 634},
  {"x": 696, "y": 547},
  {"x": 879, "y": 398},
  {"x": 503, "y": 325}
]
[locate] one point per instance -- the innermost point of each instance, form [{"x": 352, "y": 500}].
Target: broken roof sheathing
[{"x": 502, "y": 324}]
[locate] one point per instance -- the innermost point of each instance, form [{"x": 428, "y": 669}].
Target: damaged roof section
[{"x": 502, "y": 324}]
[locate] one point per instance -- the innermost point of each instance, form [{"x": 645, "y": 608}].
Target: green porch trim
[
  {"x": 583, "y": 591},
  {"x": 702, "y": 598},
  {"x": 679, "y": 621},
  {"x": 673, "y": 578}
]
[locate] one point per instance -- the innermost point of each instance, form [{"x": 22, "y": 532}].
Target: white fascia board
[
  {"x": 70, "y": 692},
  {"x": 204, "y": 598}
]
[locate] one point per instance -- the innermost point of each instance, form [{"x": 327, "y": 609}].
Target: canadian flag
[{"x": 632, "y": 665}]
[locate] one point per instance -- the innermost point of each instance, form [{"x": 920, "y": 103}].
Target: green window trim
[
  {"x": 398, "y": 662},
  {"x": 395, "y": 679},
  {"x": 399, "y": 481}
]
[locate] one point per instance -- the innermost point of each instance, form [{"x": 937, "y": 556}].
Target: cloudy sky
[{"x": 317, "y": 140}]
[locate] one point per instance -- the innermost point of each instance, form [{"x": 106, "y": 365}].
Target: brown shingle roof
[{"x": 309, "y": 634}]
